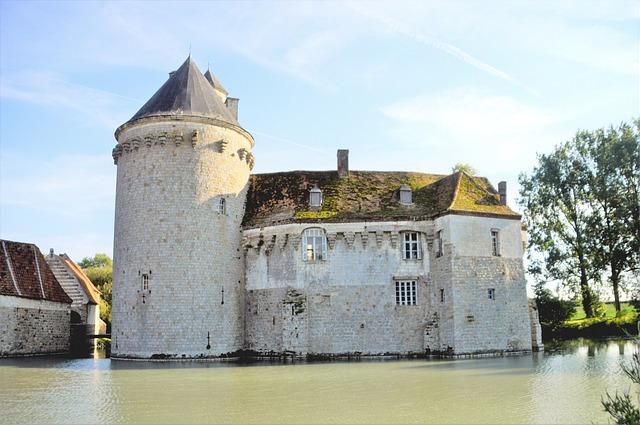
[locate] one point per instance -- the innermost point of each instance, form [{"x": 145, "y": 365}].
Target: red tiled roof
[{"x": 25, "y": 273}]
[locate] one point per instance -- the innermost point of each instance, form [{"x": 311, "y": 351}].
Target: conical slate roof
[
  {"x": 214, "y": 81},
  {"x": 186, "y": 92}
]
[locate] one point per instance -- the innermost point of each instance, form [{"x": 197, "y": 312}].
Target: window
[
  {"x": 439, "y": 250},
  {"x": 145, "y": 282},
  {"x": 222, "y": 206},
  {"x": 406, "y": 292},
  {"x": 441, "y": 295},
  {"x": 314, "y": 245},
  {"x": 315, "y": 197},
  {"x": 491, "y": 292},
  {"x": 405, "y": 195},
  {"x": 412, "y": 246},
  {"x": 495, "y": 242}
]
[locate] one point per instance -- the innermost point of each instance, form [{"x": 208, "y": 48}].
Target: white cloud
[
  {"x": 495, "y": 133},
  {"x": 66, "y": 185},
  {"x": 49, "y": 89},
  {"x": 404, "y": 28},
  {"x": 469, "y": 112}
]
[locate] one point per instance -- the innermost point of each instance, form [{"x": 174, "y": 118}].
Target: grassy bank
[{"x": 623, "y": 324}]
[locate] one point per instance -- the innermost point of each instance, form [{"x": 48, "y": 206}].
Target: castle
[{"x": 211, "y": 260}]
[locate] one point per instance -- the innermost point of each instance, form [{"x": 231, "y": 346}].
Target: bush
[{"x": 552, "y": 310}]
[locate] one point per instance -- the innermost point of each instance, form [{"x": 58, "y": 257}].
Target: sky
[{"x": 405, "y": 86}]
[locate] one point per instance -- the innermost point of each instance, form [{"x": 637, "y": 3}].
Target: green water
[{"x": 563, "y": 385}]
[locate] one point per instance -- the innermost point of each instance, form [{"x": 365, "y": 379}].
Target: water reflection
[{"x": 562, "y": 385}]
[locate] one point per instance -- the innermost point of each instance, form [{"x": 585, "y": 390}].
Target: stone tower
[{"x": 183, "y": 164}]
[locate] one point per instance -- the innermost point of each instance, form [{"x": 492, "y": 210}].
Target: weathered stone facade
[
  {"x": 194, "y": 277},
  {"x": 346, "y": 303},
  {"x": 178, "y": 267},
  {"x": 29, "y": 327}
]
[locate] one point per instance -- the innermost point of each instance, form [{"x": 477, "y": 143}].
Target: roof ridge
[
  {"x": 458, "y": 176},
  {"x": 83, "y": 279}
]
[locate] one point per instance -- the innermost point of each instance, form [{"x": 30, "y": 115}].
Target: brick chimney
[
  {"x": 343, "y": 163},
  {"x": 502, "y": 190}
]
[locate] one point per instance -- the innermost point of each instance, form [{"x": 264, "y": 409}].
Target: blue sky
[{"x": 414, "y": 86}]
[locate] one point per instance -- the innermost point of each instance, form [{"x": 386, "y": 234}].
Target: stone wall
[
  {"x": 344, "y": 304},
  {"x": 171, "y": 177},
  {"x": 30, "y": 327},
  {"x": 469, "y": 269}
]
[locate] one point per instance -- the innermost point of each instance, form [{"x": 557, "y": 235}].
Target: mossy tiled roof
[{"x": 280, "y": 198}]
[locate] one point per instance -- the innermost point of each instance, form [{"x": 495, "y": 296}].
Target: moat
[{"x": 562, "y": 385}]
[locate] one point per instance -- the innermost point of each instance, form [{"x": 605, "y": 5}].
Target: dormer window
[
  {"x": 405, "y": 195},
  {"x": 315, "y": 197}
]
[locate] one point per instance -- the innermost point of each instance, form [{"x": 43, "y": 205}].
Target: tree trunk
[
  {"x": 615, "y": 280},
  {"x": 587, "y": 296}
]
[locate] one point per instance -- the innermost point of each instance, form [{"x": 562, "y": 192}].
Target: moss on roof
[
  {"x": 279, "y": 198},
  {"x": 477, "y": 195}
]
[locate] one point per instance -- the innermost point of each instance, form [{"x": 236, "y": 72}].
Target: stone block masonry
[
  {"x": 33, "y": 327},
  {"x": 178, "y": 266}
]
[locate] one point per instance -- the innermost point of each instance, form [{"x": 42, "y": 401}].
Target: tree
[
  {"x": 612, "y": 163},
  {"x": 552, "y": 310},
  {"x": 98, "y": 260},
  {"x": 466, "y": 168},
  {"x": 99, "y": 270},
  {"x": 553, "y": 198}
]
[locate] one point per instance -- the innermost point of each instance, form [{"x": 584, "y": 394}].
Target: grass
[
  {"x": 611, "y": 324},
  {"x": 625, "y": 308}
]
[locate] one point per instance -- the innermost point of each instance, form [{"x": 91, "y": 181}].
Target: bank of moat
[{"x": 211, "y": 260}]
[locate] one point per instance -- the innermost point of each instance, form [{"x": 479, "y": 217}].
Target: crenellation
[
  {"x": 177, "y": 139},
  {"x": 393, "y": 237},
  {"x": 194, "y": 138}
]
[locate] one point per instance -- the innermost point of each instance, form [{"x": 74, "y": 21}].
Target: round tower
[{"x": 183, "y": 165}]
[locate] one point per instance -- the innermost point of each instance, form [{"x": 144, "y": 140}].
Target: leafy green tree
[
  {"x": 464, "y": 168},
  {"x": 553, "y": 198},
  {"x": 552, "y": 310},
  {"x": 611, "y": 160},
  {"x": 98, "y": 260},
  {"x": 99, "y": 270}
]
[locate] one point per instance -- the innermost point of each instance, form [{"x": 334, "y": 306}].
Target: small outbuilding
[
  {"x": 85, "y": 308},
  {"x": 34, "y": 309}
]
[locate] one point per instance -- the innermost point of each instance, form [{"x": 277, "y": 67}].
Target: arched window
[
  {"x": 405, "y": 195},
  {"x": 315, "y": 197},
  {"x": 314, "y": 245},
  {"x": 222, "y": 206}
]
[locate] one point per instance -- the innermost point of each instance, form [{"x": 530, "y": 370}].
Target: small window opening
[
  {"x": 495, "y": 243},
  {"x": 439, "y": 250},
  {"x": 315, "y": 197},
  {"x": 222, "y": 206},
  {"x": 441, "y": 295},
  {"x": 491, "y": 292},
  {"x": 412, "y": 249},
  {"x": 406, "y": 292},
  {"x": 145, "y": 282},
  {"x": 405, "y": 195}
]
